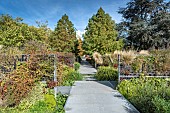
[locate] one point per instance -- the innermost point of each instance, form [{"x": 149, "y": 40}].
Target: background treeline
[{"x": 145, "y": 25}]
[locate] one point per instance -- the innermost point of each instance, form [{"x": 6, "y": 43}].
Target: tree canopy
[
  {"x": 100, "y": 35},
  {"x": 64, "y": 36},
  {"x": 14, "y": 33},
  {"x": 147, "y": 23}
]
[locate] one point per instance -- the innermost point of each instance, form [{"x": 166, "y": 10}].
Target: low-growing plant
[
  {"x": 153, "y": 92},
  {"x": 161, "y": 105},
  {"x": 35, "y": 95},
  {"x": 136, "y": 65},
  {"x": 18, "y": 84},
  {"x": 106, "y": 73},
  {"x": 51, "y": 84},
  {"x": 98, "y": 58},
  {"x": 67, "y": 75},
  {"x": 70, "y": 76},
  {"x": 61, "y": 100},
  {"x": 50, "y": 101},
  {"x": 76, "y": 66},
  {"x": 106, "y": 60},
  {"x": 40, "y": 107}
]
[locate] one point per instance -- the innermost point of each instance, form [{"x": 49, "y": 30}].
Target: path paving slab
[
  {"x": 97, "y": 97},
  {"x": 86, "y": 68},
  {"x": 63, "y": 89}
]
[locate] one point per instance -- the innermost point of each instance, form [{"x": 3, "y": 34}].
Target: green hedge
[
  {"x": 148, "y": 95},
  {"x": 106, "y": 73}
]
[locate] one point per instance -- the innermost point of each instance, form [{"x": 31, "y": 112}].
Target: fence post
[
  {"x": 118, "y": 68},
  {"x": 55, "y": 76}
]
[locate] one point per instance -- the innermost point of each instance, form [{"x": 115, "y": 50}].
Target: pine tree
[
  {"x": 64, "y": 36},
  {"x": 100, "y": 35}
]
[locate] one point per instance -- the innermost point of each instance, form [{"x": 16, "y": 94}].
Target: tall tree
[
  {"x": 64, "y": 36},
  {"x": 141, "y": 23},
  {"x": 100, "y": 35}
]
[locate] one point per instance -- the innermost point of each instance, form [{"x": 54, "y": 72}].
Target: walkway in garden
[
  {"x": 96, "y": 96},
  {"x": 86, "y": 68}
]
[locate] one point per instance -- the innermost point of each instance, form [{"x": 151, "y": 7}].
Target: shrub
[
  {"x": 67, "y": 75},
  {"x": 76, "y": 66},
  {"x": 97, "y": 58},
  {"x": 35, "y": 95},
  {"x": 106, "y": 60},
  {"x": 161, "y": 105},
  {"x": 73, "y": 75},
  {"x": 66, "y": 58},
  {"x": 51, "y": 84},
  {"x": 46, "y": 105},
  {"x": 50, "y": 101},
  {"x": 152, "y": 92},
  {"x": 107, "y": 73},
  {"x": 16, "y": 87},
  {"x": 18, "y": 84},
  {"x": 40, "y": 107},
  {"x": 61, "y": 100},
  {"x": 70, "y": 76},
  {"x": 50, "y": 104}
]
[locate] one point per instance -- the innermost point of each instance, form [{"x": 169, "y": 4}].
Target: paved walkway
[
  {"x": 96, "y": 97},
  {"x": 86, "y": 68}
]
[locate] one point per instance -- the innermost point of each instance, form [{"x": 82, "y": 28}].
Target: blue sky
[{"x": 79, "y": 11}]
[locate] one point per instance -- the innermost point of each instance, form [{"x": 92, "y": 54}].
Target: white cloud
[{"x": 79, "y": 33}]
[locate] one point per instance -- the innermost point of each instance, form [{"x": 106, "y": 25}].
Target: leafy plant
[
  {"x": 66, "y": 58},
  {"x": 50, "y": 101},
  {"x": 70, "y": 76},
  {"x": 106, "y": 73},
  {"x": 51, "y": 84},
  {"x": 18, "y": 84},
  {"x": 67, "y": 75},
  {"x": 76, "y": 66},
  {"x": 61, "y": 100},
  {"x": 40, "y": 107},
  {"x": 136, "y": 65},
  {"x": 147, "y": 91},
  {"x": 161, "y": 105},
  {"x": 35, "y": 95}
]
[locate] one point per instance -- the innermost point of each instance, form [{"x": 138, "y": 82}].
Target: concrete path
[
  {"x": 96, "y": 97},
  {"x": 86, "y": 68}
]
